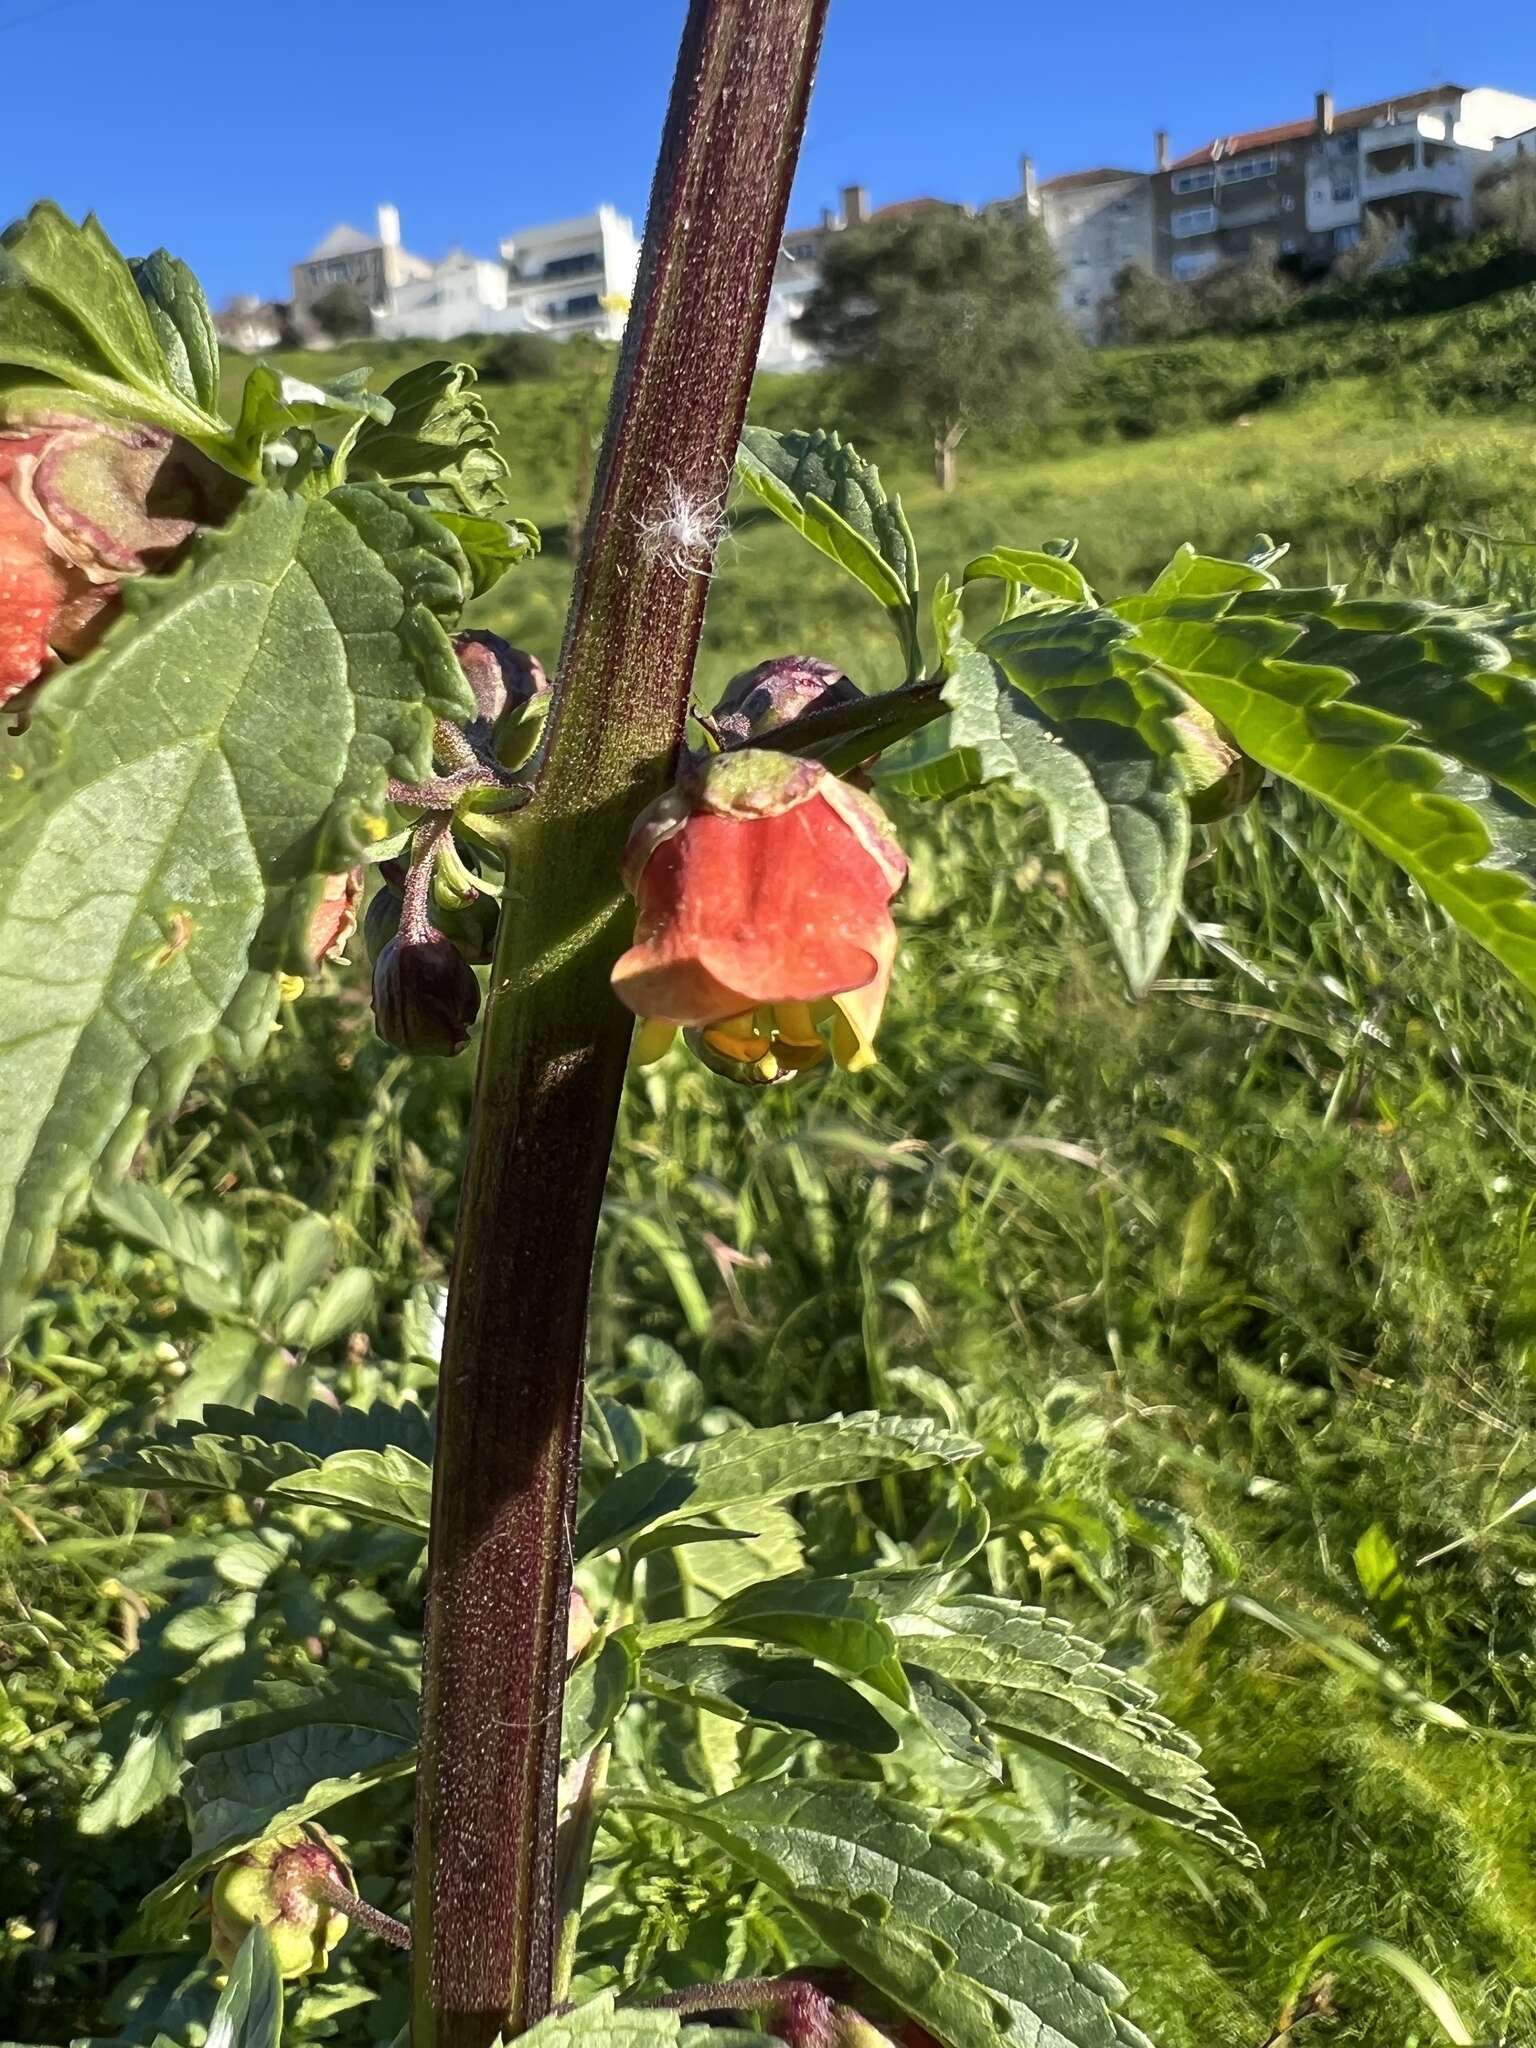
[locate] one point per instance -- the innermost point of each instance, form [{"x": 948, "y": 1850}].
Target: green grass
[{"x": 1258, "y": 1248}]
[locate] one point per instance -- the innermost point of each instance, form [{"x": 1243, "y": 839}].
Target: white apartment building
[
  {"x": 1415, "y": 163},
  {"x": 461, "y": 295},
  {"x": 572, "y": 276}
]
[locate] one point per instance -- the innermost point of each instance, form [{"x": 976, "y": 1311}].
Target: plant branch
[{"x": 555, "y": 1040}]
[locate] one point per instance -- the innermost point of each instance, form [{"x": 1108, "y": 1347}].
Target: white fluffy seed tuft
[{"x": 681, "y": 532}]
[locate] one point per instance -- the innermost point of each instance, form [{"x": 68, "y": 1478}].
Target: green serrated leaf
[
  {"x": 491, "y": 547},
  {"x": 1191, "y": 574},
  {"x": 828, "y": 493},
  {"x": 954, "y": 1720},
  {"x": 437, "y": 437},
  {"x": 71, "y": 312},
  {"x": 1299, "y": 721},
  {"x": 344, "y": 1304},
  {"x": 1021, "y": 569},
  {"x": 231, "y": 1451},
  {"x": 750, "y": 1468},
  {"x": 785, "y": 1692},
  {"x": 830, "y": 1619},
  {"x": 1039, "y": 1684},
  {"x": 1115, "y": 808},
  {"x": 595, "y": 2024},
  {"x": 273, "y": 402},
  {"x": 925, "y": 1920},
  {"x": 1449, "y": 679},
  {"x": 183, "y": 326},
  {"x": 249, "y": 2013},
  {"x": 180, "y": 793}
]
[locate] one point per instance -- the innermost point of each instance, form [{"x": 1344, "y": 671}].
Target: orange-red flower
[
  {"x": 83, "y": 505},
  {"x": 764, "y": 887}
]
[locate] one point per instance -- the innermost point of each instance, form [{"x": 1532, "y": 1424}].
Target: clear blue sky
[{"x": 237, "y": 134}]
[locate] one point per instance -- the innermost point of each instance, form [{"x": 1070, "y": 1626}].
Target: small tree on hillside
[
  {"x": 1507, "y": 201},
  {"x": 1148, "y": 308},
  {"x": 342, "y": 314},
  {"x": 948, "y": 320},
  {"x": 1380, "y": 241},
  {"x": 1245, "y": 293}
]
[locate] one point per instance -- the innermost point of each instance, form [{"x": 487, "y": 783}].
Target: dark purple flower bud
[
  {"x": 777, "y": 692},
  {"x": 498, "y": 675},
  {"x": 425, "y": 995},
  {"x": 382, "y": 919}
]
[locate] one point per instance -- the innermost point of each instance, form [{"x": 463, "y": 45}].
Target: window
[
  {"x": 803, "y": 252},
  {"x": 572, "y": 266},
  {"x": 1343, "y": 190},
  {"x": 1195, "y": 220},
  {"x": 1346, "y": 238},
  {"x": 1248, "y": 167},
  {"x": 584, "y": 302},
  {"x": 1193, "y": 181},
  {"x": 1194, "y": 263}
]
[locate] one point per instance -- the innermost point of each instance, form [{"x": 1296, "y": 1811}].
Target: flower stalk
[{"x": 555, "y": 1039}]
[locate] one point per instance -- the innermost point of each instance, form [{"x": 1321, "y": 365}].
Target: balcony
[{"x": 1396, "y": 162}]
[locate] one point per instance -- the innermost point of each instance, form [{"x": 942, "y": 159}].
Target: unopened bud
[
  {"x": 382, "y": 919},
  {"x": 284, "y": 1884},
  {"x": 777, "y": 692},
  {"x": 425, "y": 995},
  {"x": 498, "y": 674}
]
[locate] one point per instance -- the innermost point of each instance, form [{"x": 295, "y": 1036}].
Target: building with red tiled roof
[{"x": 1306, "y": 189}]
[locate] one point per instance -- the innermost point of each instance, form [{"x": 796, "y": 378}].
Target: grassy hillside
[
  {"x": 1237, "y": 1282},
  {"x": 1345, "y": 438}
]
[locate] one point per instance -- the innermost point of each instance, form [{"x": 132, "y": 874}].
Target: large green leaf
[
  {"x": 1297, "y": 719},
  {"x": 1442, "y": 673},
  {"x": 833, "y": 1620},
  {"x": 785, "y": 1692},
  {"x": 178, "y": 796},
  {"x": 270, "y": 1770},
  {"x": 927, "y": 1921},
  {"x": 71, "y": 312},
  {"x": 828, "y": 493},
  {"x": 1115, "y": 807},
  {"x": 1039, "y": 1684},
  {"x": 755, "y": 1467},
  {"x": 230, "y": 1450},
  {"x": 597, "y": 2025}
]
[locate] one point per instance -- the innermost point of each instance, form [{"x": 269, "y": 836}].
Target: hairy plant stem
[{"x": 555, "y": 1040}]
